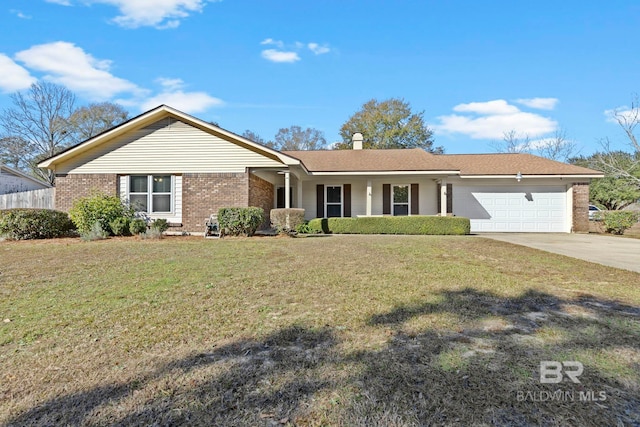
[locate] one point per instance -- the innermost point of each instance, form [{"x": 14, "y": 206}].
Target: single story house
[
  {"x": 172, "y": 165},
  {"x": 14, "y": 181}
]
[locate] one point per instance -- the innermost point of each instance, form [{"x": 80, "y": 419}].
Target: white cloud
[
  {"x": 60, "y": 2},
  {"x": 274, "y": 55},
  {"x": 317, "y": 49},
  {"x": 14, "y": 77},
  {"x": 160, "y": 14},
  {"x": 539, "y": 103},
  {"x": 68, "y": 65},
  {"x": 290, "y": 52},
  {"x": 189, "y": 102},
  {"x": 19, "y": 14},
  {"x": 490, "y": 120},
  {"x": 273, "y": 42},
  {"x": 498, "y": 106}
]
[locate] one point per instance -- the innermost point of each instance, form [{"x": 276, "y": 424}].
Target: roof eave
[
  {"x": 389, "y": 172},
  {"x": 495, "y": 176}
]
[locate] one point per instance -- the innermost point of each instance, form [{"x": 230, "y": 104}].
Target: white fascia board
[
  {"x": 384, "y": 173},
  {"x": 530, "y": 176}
]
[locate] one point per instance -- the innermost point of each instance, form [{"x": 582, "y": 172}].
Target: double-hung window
[
  {"x": 333, "y": 201},
  {"x": 151, "y": 193},
  {"x": 401, "y": 196}
]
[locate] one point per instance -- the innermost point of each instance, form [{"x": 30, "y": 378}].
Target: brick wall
[
  {"x": 204, "y": 193},
  {"x": 72, "y": 186},
  {"x": 261, "y": 195},
  {"x": 580, "y": 207}
]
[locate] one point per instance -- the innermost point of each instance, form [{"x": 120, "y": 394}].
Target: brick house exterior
[
  {"x": 72, "y": 186},
  {"x": 174, "y": 166},
  {"x": 580, "y": 207}
]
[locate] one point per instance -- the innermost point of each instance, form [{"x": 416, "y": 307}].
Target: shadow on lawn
[{"x": 468, "y": 376}]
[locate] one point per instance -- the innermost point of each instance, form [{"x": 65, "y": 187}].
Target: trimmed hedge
[
  {"x": 442, "y": 225},
  {"x": 240, "y": 221},
  {"x": 279, "y": 219},
  {"x": 25, "y": 224}
]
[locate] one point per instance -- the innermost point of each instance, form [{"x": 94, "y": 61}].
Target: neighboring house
[
  {"x": 172, "y": 165},
  {"x": 15, "y": 181}
]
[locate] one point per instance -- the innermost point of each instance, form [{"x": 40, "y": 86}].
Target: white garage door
[{"x": 535, "y": 209}]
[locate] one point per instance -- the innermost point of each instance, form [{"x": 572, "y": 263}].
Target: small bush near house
[
  {"x": 137, "y": 226},
  {"x": 616, "y": 222},
  {"x": 160, "y": 225},
  {"x": 25, "y": 224},
  {"x": 96, "y": 233},
  {"x": 435, "y": 225},
  {"x": 240, "y": 221},
  {"x": 98, "y": 207},
  {"x": 286, "y": 220},
  {"x": 152, "y": 233},
  {"x": 304, "y": 228},
  {"x": 120, "y": 226}
]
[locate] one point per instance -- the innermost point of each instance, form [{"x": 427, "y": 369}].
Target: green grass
[{"x": 340, "y": 330}]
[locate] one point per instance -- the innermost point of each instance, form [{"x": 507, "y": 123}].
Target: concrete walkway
[{"x": 612, "y": 251}]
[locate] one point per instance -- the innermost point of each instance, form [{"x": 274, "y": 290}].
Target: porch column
[
  {"x": 368, "y": 197},
  {"x": 287, "y": 194},
  {"x": 299, "y": 192},
  {"x": 443, "y": 197}
]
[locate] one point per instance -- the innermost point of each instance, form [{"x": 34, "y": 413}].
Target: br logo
[{"x": 552, "y": 372}]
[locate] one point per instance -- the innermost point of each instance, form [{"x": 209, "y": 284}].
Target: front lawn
[{"x": 338, "y": 330}]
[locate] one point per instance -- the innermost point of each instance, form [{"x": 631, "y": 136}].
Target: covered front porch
[{"x": 344, "y": 195}]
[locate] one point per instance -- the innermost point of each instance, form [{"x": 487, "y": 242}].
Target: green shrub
[
  {"x": 160, "y": 224},
  {"x": 98, "y": 207},
  {"x": 285, "y": 220},
  {"x": 616, "y": 222},
  {"x": 240, "y": 221},
  {"x": 137, "y": 226},
  {"x": 24, "y": 224},
  {"x": 304, "y": 228},
  {"x": 95, "y": 233},
  {"x": 440, "y": 225},
  {"x": 120, "y": 226}
]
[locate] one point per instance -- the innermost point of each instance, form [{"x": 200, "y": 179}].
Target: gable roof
[
  {"x": 401, "y": 160},
  {"x": 512, "y": 163},
  {"x": 154, "y": 115},
  {"x": 6, "y": 170}
]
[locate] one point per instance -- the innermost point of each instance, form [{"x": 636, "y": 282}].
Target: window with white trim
[
  {"x": 151, "y": 193},
  {"x": 401, "y": 200},
  {"x": 333, "y": 201}
]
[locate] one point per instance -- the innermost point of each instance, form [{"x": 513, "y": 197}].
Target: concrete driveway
[{"x": 616, "y": 252}]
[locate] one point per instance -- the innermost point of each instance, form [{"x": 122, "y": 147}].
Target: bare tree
[
  {"x": 14, "y": 151},
  {"x": 609, "y": 160},
  {"x": 558, "y": 147},
  {"x": 93, "y": 119},
  {"x": 295, "y": 138},
  {"x": 40, "y": 118},
  {"x": 251, "y": 135},
  {"x": 512, "y": 143}
]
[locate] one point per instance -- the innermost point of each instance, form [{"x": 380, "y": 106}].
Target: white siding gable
[{"x": 167, "y": 146}]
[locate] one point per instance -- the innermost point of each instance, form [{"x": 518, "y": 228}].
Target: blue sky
[{"x": 476, "y": 69}]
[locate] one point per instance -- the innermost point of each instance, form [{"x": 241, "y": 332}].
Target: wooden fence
[{"x": 42, "y": 199}]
